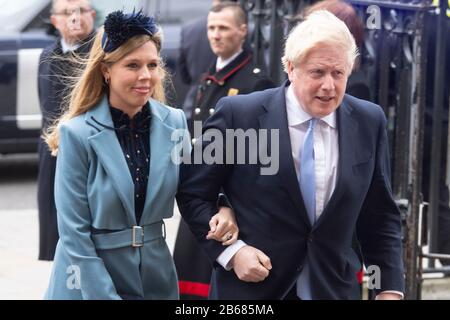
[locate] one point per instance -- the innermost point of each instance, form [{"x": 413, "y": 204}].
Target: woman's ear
[{"x": 105, "y": 70}]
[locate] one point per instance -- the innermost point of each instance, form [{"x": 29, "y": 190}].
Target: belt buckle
[{"x": 137, "y": 237}]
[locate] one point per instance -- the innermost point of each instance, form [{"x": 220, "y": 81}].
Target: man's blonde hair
[{"x": 320, "y": 27}]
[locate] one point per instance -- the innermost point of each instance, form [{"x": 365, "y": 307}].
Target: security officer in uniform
[{"x": 232, "y": 73}]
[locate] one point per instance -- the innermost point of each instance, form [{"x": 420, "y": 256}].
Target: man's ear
[
  {"x": 54, "y": 21},
  {"x": 290, "y": 70},
  {"x": 243, "y": 29}
]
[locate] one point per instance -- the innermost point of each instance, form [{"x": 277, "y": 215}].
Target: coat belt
[{"x": 133, "y": 237}]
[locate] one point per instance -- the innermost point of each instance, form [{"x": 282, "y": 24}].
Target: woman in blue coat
[{"x": 116, "y": 176}]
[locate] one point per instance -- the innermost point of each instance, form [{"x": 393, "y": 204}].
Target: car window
[{"x": 17, "y": 16}]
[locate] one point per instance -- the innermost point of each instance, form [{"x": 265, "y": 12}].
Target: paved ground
[{"x": 22, "y": 276}]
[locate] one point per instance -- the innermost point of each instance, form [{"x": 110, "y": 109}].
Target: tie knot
[{"x": 312, "y": 123}]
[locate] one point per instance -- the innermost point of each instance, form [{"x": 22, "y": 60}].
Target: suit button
[
  {"x": 309, "y": 238},
  {"x": 300, "y": 268}
]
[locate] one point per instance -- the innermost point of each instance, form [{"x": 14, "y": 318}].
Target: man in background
[
  {"x": 74, "y": 20},
  {"x": 195, "y": 57}
]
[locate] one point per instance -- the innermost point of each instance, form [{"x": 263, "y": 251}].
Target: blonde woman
[{"x": 115, "y": 180}]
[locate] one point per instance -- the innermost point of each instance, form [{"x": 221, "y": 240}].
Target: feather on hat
[{"x": 120, "y": 27}]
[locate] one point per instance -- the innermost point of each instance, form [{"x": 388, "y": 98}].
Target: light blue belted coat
[{"x": 94, "y": 189}]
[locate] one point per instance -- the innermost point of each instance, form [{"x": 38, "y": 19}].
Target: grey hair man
[{"x": 74, "y": 20}]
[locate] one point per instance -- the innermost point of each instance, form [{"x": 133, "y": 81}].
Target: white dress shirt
[
  {"x": 67, "y": 47},
  {"x": 220, "y": 64},
  {"x": 326, "y": 147}
]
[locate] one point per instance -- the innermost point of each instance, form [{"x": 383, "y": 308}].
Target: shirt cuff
[
  {"x": 224, "y": 258},
  {"x": 392, "y": 291}
]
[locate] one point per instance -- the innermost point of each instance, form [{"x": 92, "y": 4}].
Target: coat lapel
[
  {"x": 276, "y": 118},
  {"x": 160, "y": 153},
  {"x": 109, "y": 153},
  {"x": 348, "y": 131}
]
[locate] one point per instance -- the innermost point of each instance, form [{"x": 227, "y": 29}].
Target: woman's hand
[{"x": 223, "y": 227}]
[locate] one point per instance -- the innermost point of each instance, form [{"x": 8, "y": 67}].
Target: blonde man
[{"x": 332, "y": 181}]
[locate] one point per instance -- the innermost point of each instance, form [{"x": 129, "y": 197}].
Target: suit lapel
[
  {"x": 160, "y": 154},
  {"x": 109, "y": 153},
  {"x": 276, "y": 118},
  {"x": 348, "y": 131}
]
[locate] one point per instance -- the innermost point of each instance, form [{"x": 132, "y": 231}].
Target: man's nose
[
  {"x": 216, "y": 34},
  {"x": 74, "y": 19},
  {"x": 328, "y": 82}
]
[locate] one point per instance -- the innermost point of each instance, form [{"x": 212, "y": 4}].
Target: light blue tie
[
  {"x": 308, "y": 188},
  {"x": 307, "y": 173}
]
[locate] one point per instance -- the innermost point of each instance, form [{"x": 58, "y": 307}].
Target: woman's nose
[{"x": 145, "y": 74}]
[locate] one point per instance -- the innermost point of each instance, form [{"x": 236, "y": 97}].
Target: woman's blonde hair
[{"x": 89, "y": 88}]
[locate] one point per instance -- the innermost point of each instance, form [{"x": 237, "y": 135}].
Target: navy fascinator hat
[{"x": 120, "y": 27}]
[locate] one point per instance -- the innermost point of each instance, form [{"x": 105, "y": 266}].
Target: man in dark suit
[
  {"x": 327, "y": 179},
  {"x": 74, "y": 20}
]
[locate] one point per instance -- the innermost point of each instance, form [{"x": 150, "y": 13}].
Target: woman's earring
[{"x": 106, "y": 80}]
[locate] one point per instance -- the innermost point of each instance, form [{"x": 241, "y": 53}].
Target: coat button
[
  {"x": 309, "y": 238},
  {"x": 300, "y": 268},
  {"x": 197, "y": 110},
  {"x": 211, "y": 111}
]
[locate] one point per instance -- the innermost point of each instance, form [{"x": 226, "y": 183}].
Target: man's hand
[{"x": 251, "y": 264}]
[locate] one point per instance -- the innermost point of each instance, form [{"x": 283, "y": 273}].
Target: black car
[{"x": 25, "y": 31}]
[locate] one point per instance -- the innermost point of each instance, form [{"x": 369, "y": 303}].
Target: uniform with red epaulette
[{"x": 240, "y": 76}]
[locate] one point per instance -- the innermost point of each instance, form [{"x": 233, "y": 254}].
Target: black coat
[
  {"x": 241, "y": 76},
  {"x": 195, "y": 58},
  {"x": 55, "y": 70}
]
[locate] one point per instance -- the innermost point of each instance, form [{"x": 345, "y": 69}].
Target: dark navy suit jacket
[{"x": 271, "y": 214}]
